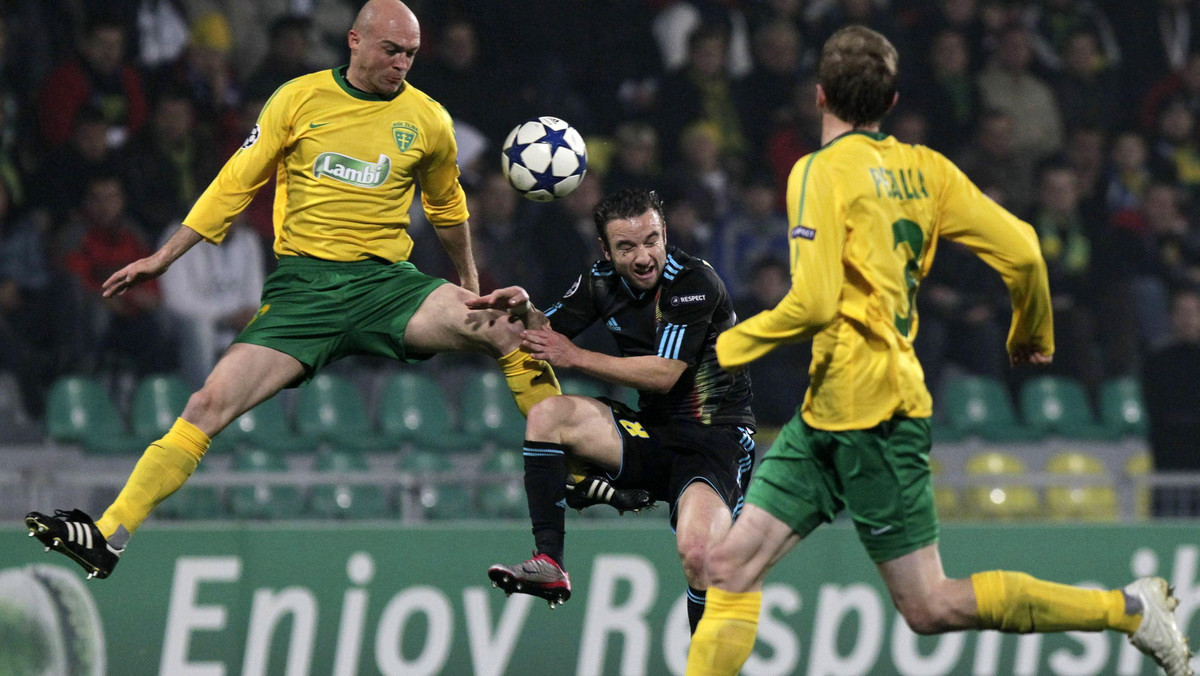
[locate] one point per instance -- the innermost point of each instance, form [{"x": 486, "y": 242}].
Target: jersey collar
[
  {"x": 339, "y": 76},
  {"x": 873, "y": 135}
]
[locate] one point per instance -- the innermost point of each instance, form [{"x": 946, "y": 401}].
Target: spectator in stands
[
  {"x": 958, "y": 16},
  {"x": 1085, "y": 153},
  {"x": 1066, "y": 241},
  {"x": 780, "y": 378},
  {"x": 1008, "y": 84},
  {"x": 1181, "y": 85},
  {"x": 994, "y": 163},
  {"x": 797, "y": 135},
  {"x": 1055, "y": 23},
  {"x": 99, "y": 77},
  {"x": 947, "y": 94},
  {"x": 675, "y": 26},
  {"x": 701, "y": 174},
  {"x": 702, "y": 91},
  {"x": 131, "y": 331},
  {"x": 755, "y": 229},
  {"x": 500, "y": 237},
  {"x": 963, "y": 315},
  {"x": 210, "y": 295},
  {"x": 777, "y": 57},
  {"x": 288, "y": 55},
  {"x": 462, "y": 80},
  {"x": 1127, "y": 176},
  {"x": 1158, "y": 37},
  {"x": 158, "y": 31},
  {"x": 1169, "y": 380},
  {"x": 58, "y": 185},
  {"x": 1175, "y": 154},
  {"x": 167, "y": 165},
  {"x": 564, "y": 232},
  {"x": 635, "y": 161},
  {"x": 204, "y": 71},
  {"x": 1085, "y": 79}
]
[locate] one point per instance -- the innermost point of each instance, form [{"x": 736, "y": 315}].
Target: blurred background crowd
[{"x": 1080, "y": 116}]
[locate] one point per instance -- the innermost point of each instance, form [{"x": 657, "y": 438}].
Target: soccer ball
[{"x": 544, "y": 158}]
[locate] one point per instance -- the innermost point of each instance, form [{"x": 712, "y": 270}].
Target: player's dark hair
[
  {"x": 623, "y": 204},
  {"x": 858, "y": 71}
]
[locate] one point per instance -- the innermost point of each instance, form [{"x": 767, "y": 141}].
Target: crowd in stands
[{"x": 115, "y": 115}]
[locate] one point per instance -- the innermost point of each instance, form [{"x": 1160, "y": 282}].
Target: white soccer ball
[{"x": 544, "y": 158}]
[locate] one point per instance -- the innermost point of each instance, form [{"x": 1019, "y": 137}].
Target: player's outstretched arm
[
  {"x": 456, "y": 240},
  {"x": 515, "y": 301},
  {"x": 153, "y": 265}
]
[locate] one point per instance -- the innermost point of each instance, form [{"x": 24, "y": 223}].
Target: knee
[
  {"x": 925, "y": 616},
  {"x": 694, "y": 557}
]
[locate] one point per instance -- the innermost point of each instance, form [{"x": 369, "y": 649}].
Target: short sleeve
[{"x": 687, "y": 310}]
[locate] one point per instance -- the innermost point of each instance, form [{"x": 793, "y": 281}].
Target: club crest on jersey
[
  {"x": 352, "y": 170},
  {"x": 803, "y": 232},
  {"x": 252, "y": 138},
  {"x": 404, "y": 133}
]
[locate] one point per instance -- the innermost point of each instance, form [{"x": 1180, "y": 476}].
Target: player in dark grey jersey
[{"x": 690, "y": 441}]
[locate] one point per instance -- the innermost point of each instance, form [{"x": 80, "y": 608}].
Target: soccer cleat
[
  {"x": 74, "y": 534},
  {"x": 1158, "y": 636},
  {"x": 596, "y": 490},
  {"x": 539, "y": 576}
]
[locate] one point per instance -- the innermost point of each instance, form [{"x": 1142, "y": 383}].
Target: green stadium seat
[
  {"x": 1058, "y": 405},
  {"x": 346, "y": 501},
  {"x": 1122, "y": 409},
  {"x": 79, "y": 411},
  {"x": 504, "y": 500},
  {"x": 436, "y": 500},
  {"x": 265, "y": 427},
  {"x": 1005, "y": 497},
  {"x": 157, "y": 401},
  {"x": 980, "y": 406},
  {"x": 330, "y": 410},
  {"x": 263, "y": 501},
  {"x": 1087, "y": 502},
  {"x": 413, "y": 409},
  {"x": 488, "y": 411}
]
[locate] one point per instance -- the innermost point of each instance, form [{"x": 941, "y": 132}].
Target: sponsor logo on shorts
[
  {"x": 803, "y": 232},
  {"x": 684, "y": 300},
  {"x": 352, "y": 170}
]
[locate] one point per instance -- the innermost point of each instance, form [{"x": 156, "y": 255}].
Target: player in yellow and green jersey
[
  {"x": 865, "y": 216},
  {"x": 346, "y": 148}
]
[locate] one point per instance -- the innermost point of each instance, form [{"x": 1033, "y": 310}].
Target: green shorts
[
  {"x": 880, "y": 475},
  {"x": 320, "y": 311}
]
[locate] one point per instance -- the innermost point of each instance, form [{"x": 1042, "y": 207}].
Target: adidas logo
[{"x": 613, "y": 325}]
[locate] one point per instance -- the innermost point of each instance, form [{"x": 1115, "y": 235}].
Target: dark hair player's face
[{"x": 637, "y": 248}]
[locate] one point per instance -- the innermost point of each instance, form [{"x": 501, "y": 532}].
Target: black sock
[
  {"x": 546, "y": 492},
  {"x": 695, "y": 606}
]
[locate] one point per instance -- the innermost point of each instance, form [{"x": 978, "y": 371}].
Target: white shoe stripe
[
  {"x": 88, "y": 532},
  {"x": 70, "y": 532}
]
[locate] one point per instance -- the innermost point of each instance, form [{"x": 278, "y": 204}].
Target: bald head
[{"x": 383, "y": 42}]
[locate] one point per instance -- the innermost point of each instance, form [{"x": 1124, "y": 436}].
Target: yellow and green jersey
[
  {"x": 865, "y": 213},
  {"x": 345, "y": 163}
]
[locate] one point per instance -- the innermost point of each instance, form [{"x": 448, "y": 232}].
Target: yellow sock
[
  {"x": 162, "y": 469},
  {"x": 725, "y": 635},
  {"x": 1020, "y": 603},
  {"x": 531, "y": 380}
]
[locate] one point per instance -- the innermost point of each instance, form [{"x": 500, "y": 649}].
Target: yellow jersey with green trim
[
  {"x": 865, "y": 214},
  {"x": 346, "y": 163}
]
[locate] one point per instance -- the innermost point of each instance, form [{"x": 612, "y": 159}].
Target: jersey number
[
  {"x": 634, "y": 429},
  {"x": 910, "y": 236}
]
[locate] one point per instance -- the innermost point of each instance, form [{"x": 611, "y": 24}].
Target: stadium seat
[
  {"x": 330, "y": 410},
  {"x": 506, "y": 499},
  {"x": 79, "y": 411},
  {"x": 945, "y": 498},
  {"x": 263, "y": 501},
  {"x": 583, "y": 386},
  {"x": 1095, "y": 500},
  {"x": 192, "y": 502},
  {"x": 346, "y": 501},
  {"x": 435, "y": 497},
  {"x": 413, "y": 409},
  {"x": 1058, "y": 405},
  {"x": 1122, "y": 409},
  {"x": 1140, "y": 465},
  {"x": 157, "y": 402},
  {"x": 1002, "y": 496},
  {"x": 979, "y": 406},
  {"x": 266, "y": 427},
  {"x": 488, "y": 411}
]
